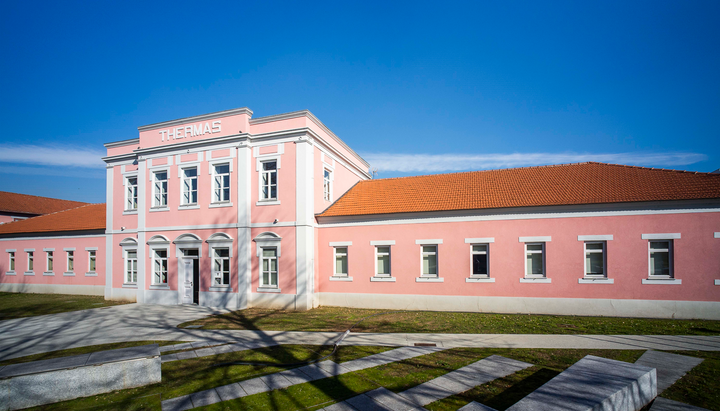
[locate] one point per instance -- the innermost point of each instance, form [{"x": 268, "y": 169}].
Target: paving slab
[
  {"x": 670, "y": 367},
  {"x": 424, "y": 394},
  {"x": 314, "y": 372},
  {"x": 594, "y": 383},
  {"x": 168, "y": 357},
  {"x": 206, "y": 397},
  {"x": 124, "y": 354},
  {"x": 391, "y": 400},
  {"x": 295, "y": 376},
  {"x": 177, "y": 404},
  {"x": 205, "y": 352},
  {"x": 176, "y": 347},
  {"x": 476, "y": 406},
  {"x": 200, "y": 344},
  {"x": 364, "y": 403},
  {"x": 276, "y": 381},
  {"x": 254, "y": 386},
  {"x": 230, "y": 392},
  {"x": 664, "y": 404},
  {"x": 222, "y": 349},
  {"x": 184, "y": 355},
  {"x": 340, "y": 406}
]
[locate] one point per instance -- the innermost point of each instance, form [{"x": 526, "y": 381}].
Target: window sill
[
  {"x": 219, "y": 205},
  {"x": 10, "y": 273},
  {"x": 130, "y": 212},
  {"x": 189, "y": 207},
  {"x": 383, "y": 279},
  {"x": 267, "y": 202},
  {"x": 662, "y": 281},
  {"x": 429, "y": 280},
  {"x": 69, "y": 274},
  {"x": 268, "y": 290},
  {"x": 48, "y": 273},
  {"x": 29, "y": 273},
  {"x": 340, "y": 278},
  {"x": 159, "y": 209},
  {"x": 536, "y": 280},
  {"x": 159, "y": 287},
  {"x": 479, "y": 280},
  {"x": 717, "y": 282},
  {"x": 129, "y": 285},
  {"x": 591, "y": 280},
  {"x": 92, "y": 274},
  {"x": 221, "y": 289}
]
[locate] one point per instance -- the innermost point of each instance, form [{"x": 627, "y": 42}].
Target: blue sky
[{"x": 414, "y": 87}]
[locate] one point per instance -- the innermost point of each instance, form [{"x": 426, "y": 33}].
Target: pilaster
[
  {"x": 305, "y": 219},
  {"x": 244, "y": 241}
]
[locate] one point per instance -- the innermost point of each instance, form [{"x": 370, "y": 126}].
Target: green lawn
[
  {"x": 339, "y": 319},
  {"x": 701, "y": 387},
  {"x": 17, "y": 305}
]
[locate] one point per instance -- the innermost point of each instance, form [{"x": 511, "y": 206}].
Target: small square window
[
  {"x": 595, "y": 259},
  {"x": 429, "y": 261},
  {"x": 534, "y": 260},
  {"x": 661, "y": 258},
  {"x": 480, "y": 260}
]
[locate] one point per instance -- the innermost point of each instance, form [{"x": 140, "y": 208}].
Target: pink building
[{"x": 229, "y": 211}]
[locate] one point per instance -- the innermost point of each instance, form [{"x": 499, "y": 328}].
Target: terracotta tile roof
[
  {"x": 27, "y": 204},
  {"x": 87, "y": 217},
  {"x": 565, "y": 184}
]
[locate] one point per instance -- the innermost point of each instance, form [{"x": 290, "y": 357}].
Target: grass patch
[
  {"x": 339, "y": 319},
  {"x": 82, "y": 350},
  {"x": 189, "y": 376},
  {"x": 18, "y": 305}
]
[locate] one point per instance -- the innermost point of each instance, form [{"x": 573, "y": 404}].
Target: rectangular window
[
  {"x": 70, "y": 261},
  {"x": 429, "y": 261},
  {"x": 160, "y": 267},
  {"x": 661, "y": 258},
  {"x": 534, "y": 259},
  {"x": 383, "y": 261},
  {"x": 160, "y": 188},
  {"x": 189, "y": 191},
  {"x": 49, "y": 262},
  {"x": 221, "y": 266},
  {"x": 92, "y": 260},
  {"x": 327, "y": 188},
  {"x": 12, "y": 260},
  {"x": 31, "y": 261},
  {"x": 269, "y": 180},
  {"x": 595, "y": 259},
  {"x": 131, "y": 193},
  {"x": 269, "y": 275},
  {"x": 131, "y": 266},
  {"x": 221, "y": 183},
  {"x": 341, "y": 261},
  {"x": 480, "y": 260}
]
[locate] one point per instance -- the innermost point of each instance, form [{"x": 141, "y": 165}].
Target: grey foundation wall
[
  {"x": 54, "y": 386},
  {"x": 525, "y": 305},
  {"x": 53, "y": 289}
]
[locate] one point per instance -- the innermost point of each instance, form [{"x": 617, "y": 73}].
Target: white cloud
[
  {"x": 51, "y": 155},
  {"x": 412, "y": 163}
]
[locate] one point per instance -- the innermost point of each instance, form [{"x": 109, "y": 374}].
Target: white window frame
[
  {"x": 126, "y": 270},
  {"x": 155, "y": 259},
  {"x": 220, "y": 241},
  {"x": 11, "y": 261},
  {"x": 486, "y": 253},
  {"x": 328, "y": 184},
  {"x": 602, "y": 251},
  {"x": 157, "y": 192},
  {"x": 347, "y": 261},
  {"x": 670, "y": 251},
  {"x": 423, "y": 253},
  {"x": 541, "y": 251},
  {"x": 131, "y": 192},
  {"x": 277, "y": 266},
  {"x": 69, "y": 258},
  {"x": 92, "y": 260},
  {"x": 183, "y": 178},
  {"x": 30, "y": 261},
  {"x": 49, "y": 260},
  {"x": 268, "y": 239},
  {"x": 213, "y": 182},
  {"x": 262, "y": 172},
  {"x": 378, "y": 254}
]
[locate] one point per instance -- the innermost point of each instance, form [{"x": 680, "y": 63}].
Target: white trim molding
[
  {"x": 267, "y": 290},
  {"x": 535, "y": 280},
  {"x": 480, "y": 240},
  {"x": 717, "y": 282},
  {"x": 668, "y": 281},
  {"x": 48, "y": 249},
  {"x": 429, "y": 280},
  {"x": 606, "y": 237},
  {"x": 596, "y": 281},
  {"x": 717, "y": 235},
  {"x": 536, "y": 239},
  {"x": 665, "y": 236},
  {"x": 382, "y": 279},
  {"x": 340, "y": 278},
  {"x": 480, "y": 280},
  {"x": 340, "y": 243},
  {"x": 429, "y": 242},
  {"x": 382, "y": 242}
]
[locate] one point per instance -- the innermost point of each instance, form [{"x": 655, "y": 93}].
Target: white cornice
[
  {"x": 122, "y": 143},
  {"x": 226, "y": 113}
]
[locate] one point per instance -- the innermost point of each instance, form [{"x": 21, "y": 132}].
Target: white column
[
  {"x": 244, "y": 241},
  {"x": 142, "y": 210},
  {"x": 108, "y": 229},
  {"x": 304, "y": 230}
]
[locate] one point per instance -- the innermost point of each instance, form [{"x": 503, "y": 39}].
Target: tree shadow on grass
[{"x": 520, "y": 390}]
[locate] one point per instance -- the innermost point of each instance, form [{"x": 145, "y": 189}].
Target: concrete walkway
[{"x": 135, "y": 322}]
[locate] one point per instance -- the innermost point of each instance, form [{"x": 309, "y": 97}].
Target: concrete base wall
[
  {"x": 166, "y": 297},
  {"x": 53, "y": 288},
  {"x": 124, "y": 294},
  {"x": 275, "y": 301},
  {"x": 526, "y": 305},
  {"x": 219, "y": 300},
  {"x": 54, "y": 386}
]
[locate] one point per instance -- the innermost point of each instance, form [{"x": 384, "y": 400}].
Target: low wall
[
  {"x": 61, "y": 379},
  {"x": 707, "y": 310},
  {"x": 77, "y": 289}
]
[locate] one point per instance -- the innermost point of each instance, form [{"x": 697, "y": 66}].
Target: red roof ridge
[{"x": 19, "y": 226}]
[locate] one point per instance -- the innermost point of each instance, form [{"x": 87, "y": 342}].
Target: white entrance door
[{"x": 187, "y": 264}]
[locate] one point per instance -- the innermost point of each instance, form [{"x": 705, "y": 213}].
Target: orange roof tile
[
  {"x": 87, "y": 217},
  {"x": 27, "y": 204},
  {"x": 565, "y": 184}
]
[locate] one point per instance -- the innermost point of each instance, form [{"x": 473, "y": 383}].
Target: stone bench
[{"x": 60, "y": 379}]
